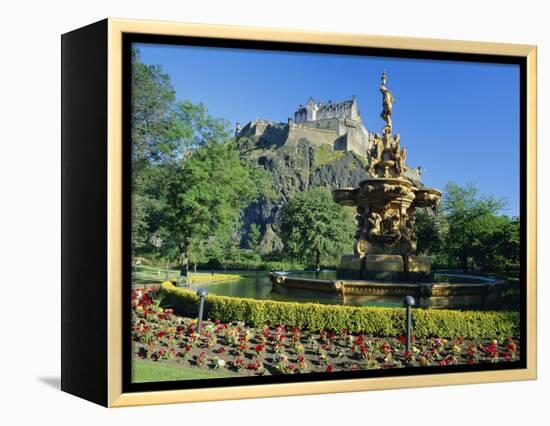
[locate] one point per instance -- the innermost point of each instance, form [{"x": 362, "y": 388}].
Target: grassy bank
[
  {"x": 152, "y": 371},
  {"x": 155, "y": 275}
]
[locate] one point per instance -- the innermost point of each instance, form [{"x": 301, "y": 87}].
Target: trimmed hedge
[{"x": 369, "y": 320}]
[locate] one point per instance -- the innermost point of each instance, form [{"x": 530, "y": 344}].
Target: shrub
[
  {"x": 260, "y": 265},
  {"x": 370, "y": 320}
]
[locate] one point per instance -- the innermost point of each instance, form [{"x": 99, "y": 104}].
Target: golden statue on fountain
[{"x": 385, "y": 239}]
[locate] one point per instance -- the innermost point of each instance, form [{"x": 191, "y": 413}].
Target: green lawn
[
  {"x": 152, "y": 371},
  {"x": 151, "y": 274},
  {"x": 156, "y": 275}
]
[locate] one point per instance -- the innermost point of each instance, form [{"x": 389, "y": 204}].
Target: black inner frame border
[{"x": 129, "y": 38}]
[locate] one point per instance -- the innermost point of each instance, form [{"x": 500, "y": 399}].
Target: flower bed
[
  {"x": 160, "y": 335},
  {"x": 316, "y": 317}
]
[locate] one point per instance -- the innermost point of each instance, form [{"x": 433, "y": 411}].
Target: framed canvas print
[{"x": 254, "y": 212}]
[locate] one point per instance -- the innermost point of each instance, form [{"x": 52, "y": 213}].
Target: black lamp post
[
  {"x": 202, "y": 293},
  {"x": 408, "y": 301}
]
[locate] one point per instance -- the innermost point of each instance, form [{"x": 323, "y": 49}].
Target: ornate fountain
[
  {"x": 384, "y": 266},
  {"x": 385, "y": 246}
]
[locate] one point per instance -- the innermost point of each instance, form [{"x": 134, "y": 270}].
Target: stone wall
[
  {"x": 332, "y": 124},
  {"x": 357, "y": 141},
  {"x": 316, "y": 136},
  {"x": 340, "y": 134}
]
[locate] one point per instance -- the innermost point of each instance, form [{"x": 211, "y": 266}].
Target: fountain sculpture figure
[{"x": 385, "y": 246}]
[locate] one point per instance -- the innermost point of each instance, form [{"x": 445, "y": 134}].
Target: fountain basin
[{"x": 440, "y": 291}]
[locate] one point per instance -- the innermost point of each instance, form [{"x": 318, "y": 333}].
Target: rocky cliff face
[{"x": 295, "y": 166}]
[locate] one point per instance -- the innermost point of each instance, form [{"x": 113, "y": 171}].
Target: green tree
[
  {"x": 254, "y": 237},
  {"x": 164, "y": 130},
  {"x": 429, "y": 229},
  {"x": 468, "y": 215},
  {"x": 314, "y": 228},
  {"x": 508, "y": 243},
  {"x": 197, "y": 251},
  {"x": 154, "y": 125},
  {"x": 139, "y": 223},
  {"x": 205, "y": 196},
  {"x": 164, "y": 133},
  {"x": 501, "y": 239}
]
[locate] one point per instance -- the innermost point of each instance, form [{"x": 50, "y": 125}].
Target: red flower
[
  {"x": 359, "y": 340},
  {"x": 446, "y": 361},
  {"x": 259, "y": 348},
  {"x": 403, "y": 339},
  {"x": 146, "y": 300},
  {"x": 161, "y": 334},
  {"x": 386, "y": 348},
  {"x": 252, "y": 366},
  {"x": 491, "y": 350},
  {"x": 329, "y": 368}
]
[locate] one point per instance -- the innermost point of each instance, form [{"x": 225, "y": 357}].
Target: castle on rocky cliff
[{"x": 336, "y": 124}]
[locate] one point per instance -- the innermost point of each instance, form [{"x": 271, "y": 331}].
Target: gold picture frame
[{"x": 114, "y": 30}]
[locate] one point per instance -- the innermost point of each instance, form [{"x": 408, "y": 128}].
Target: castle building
[
  {"x": 338, "y": 125},
  {"x": 314, "y": 111}
]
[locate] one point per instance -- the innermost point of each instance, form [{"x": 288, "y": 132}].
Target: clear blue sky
[{"x": 458, "y": 120}]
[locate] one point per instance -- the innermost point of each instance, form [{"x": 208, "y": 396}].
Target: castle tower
[{"x": 311, "y": 110}]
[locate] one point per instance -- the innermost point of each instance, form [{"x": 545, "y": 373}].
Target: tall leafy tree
[
  {"x": 154, "y": 122},
  {"x": 509, "y": 243},
  {"x": 501, "y": 239},
  {"x": 254, "y": 237},
  {"x": 314, "y": 228},
  {"x": 429, "y": 229},
  {"x": 468, "y": 215},
  {"x": 165, "y": 132},
  {"x": 164, "y": 129},
  {"x": 206, "y": 194}
]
